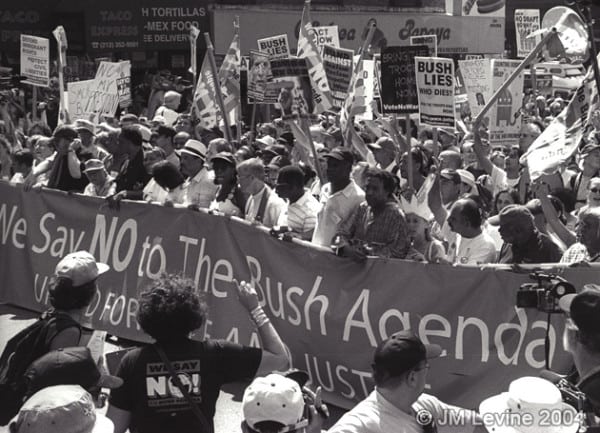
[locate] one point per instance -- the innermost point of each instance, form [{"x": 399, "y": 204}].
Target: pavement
[{"x": 228, "y": 412}]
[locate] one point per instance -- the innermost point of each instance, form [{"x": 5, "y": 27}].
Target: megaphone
[{"x": 572, "y": 32}]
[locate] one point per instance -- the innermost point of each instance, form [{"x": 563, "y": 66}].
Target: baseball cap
[
  {"x": 273, "y": 398},
  {"x": 80, "y": 267},
  {"x": 403, "y": 351},
  {"x": 93, "y": 165},
  {"x": 84, "y": 125},
  {"x": 275, "y": 149},
  {"x": 68, "y": 366},
  {"x": 224, "y": 156},
  {"x": 279, "y": 161},
  {"x": 266, "y": 140},
  {"x": 513, "y": 212},
  {"x": 584, "y": 308},
  {"x": 451, "y": 174},
  {"x": 467, "y": 177},
  {"x": 130, "y": 117},
  {"x": 60, "y": 409},
  {"x": 383, "y": 143},
  {"x": 195, "y": 148},
  {"x": 341, "y": 154},
  {"x": 65, "y": 131}
]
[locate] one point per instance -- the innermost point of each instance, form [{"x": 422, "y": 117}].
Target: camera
[{"x": 545, "y": 293}]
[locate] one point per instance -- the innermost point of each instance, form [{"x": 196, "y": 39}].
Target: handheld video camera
[{"x": 545, "y": 293}]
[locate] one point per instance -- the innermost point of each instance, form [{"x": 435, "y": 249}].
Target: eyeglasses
[{"x": 595, "y": 190}]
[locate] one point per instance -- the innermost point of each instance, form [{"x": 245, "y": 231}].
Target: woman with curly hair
[{"x": 150, "y": 400}]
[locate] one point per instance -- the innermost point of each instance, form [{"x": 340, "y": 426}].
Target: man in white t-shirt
[
  {"x": 398, "y": 404},
  {"x": 473, "y": 245}
]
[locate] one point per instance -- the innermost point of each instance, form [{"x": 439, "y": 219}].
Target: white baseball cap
[
  {"x": 274, "y": 398},
  {"x": 80, "y": 267}
]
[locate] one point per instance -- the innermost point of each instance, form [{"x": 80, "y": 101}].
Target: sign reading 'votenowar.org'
[
  {"x": 149, "y": 24},
  {"x": 398, "y": 82}
]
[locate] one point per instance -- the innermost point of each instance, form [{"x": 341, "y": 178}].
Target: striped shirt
[{"x": 301, "y": 216}]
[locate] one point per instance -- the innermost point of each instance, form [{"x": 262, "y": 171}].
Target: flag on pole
[
  {"x": 354, "y": 104},
  {"x": 562, "y": 137},
  {"x": 204, "y": 106},
  {"x": 307, "y": 49},
  {"x": 229, "y": 74}
]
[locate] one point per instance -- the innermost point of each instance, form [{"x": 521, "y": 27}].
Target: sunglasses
[{"x": 595, "y": 190}]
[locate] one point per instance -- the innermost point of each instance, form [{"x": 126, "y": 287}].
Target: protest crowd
[{"x": 468, "y": 193}]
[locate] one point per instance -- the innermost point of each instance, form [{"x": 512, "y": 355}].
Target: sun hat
[
  {"x": 60, "y": 409},
  {"x": 527, "y": 407}
]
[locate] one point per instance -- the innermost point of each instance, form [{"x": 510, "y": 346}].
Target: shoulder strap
[
  {"x": 195, "y": 409},
  {"x": 263, "y": 205}
]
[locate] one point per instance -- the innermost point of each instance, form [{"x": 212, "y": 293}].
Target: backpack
[{"x": 20, "y": 351}]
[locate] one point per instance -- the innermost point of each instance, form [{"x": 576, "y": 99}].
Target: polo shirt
[
  {"x": 336, "y": 209},
  {"x": 301, "y": 216}
]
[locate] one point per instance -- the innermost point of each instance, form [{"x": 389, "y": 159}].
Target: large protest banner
[
  {"x": 35, "y": 60},
  {"x": 330, "y": 311},
  {"x": 527, "y": 21},
  {"x": 338, "y": 67},
  {"x": 277, "y": 47},
  {"x": 398, "y": 82},
  {"x": 505, "y": 121},
  {"x": 435, "y": 86}
]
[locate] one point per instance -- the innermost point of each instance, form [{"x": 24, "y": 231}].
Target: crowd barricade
[{"x": 331, "y": 312}]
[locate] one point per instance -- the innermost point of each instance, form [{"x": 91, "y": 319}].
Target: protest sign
[
  {"x": 79, "y": 95},
  {"x": 330, "y": 312},
  {"x": 377, "y": 73},
  {"x": 367, "y": 73},
  {"x": 398, "y": 82},
  {"x": 35, "y": 60},
  {"x": 325, "y": 35},
  {"x": 338, "y": 67},
  {"x": 430, "y": 41},
  {"x": 259, "y": 74},
  {"x": 290, "y": 87},
  {"x": 527, "y": 21},
  {"x": 435, "y": 87},
  {"x": 276, "y": 47},
  {"x": 477, "y": 75},
  {"x": 124, "y": 84},
  {"x": 505, "y": 122},
  {"x": 104, "y": 91}
]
